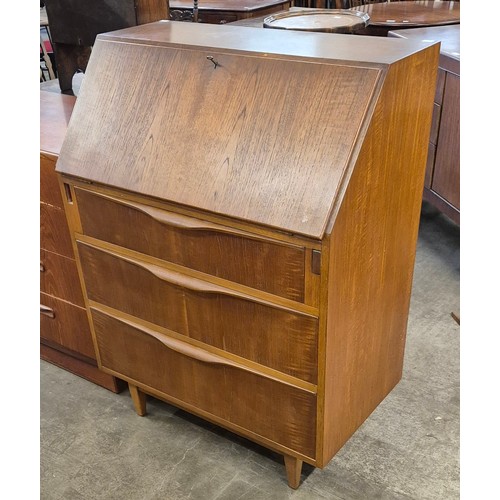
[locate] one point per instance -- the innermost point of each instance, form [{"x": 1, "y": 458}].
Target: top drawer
[
  {"x": 49, "y": 187},
  {"x": 267, "y": 265}
]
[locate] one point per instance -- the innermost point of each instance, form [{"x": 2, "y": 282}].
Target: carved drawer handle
[
  {"x": 47, "y": 311},
  {"x": 199, "y": 286}
]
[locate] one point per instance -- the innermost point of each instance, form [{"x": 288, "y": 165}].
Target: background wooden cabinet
[
  {"x": 225, "y": 11},
  {"x": 442, "y": 177},
  {"x": 64, "y": 327}
]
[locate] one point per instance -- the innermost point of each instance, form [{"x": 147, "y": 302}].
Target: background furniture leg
[
  {"x": 293, "y": 469},
  {"x": 139, "y": 399},
  {"x": 70, "y": 59}
]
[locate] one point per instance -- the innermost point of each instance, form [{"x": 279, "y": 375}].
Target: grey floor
[{"x": 94, "y": 446}]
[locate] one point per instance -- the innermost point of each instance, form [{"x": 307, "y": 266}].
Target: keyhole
[{"x": 210, "y": 58}]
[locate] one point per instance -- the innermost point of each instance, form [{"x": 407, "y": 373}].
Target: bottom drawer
[
  {"x": 66, "y": 325},
  {"x": 277, "y": 411}
]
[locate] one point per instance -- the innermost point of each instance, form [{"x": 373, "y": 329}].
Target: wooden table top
[
  {"x": 449, "y": 36},
  {"x": 406, "y": 14},
  {"x": 227, "y": 5},
  {"x": 55, "y": 112}
]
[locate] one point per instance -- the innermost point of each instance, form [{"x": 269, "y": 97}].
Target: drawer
[
  {"x": 49, "y": 186},
  {"x": 217, "y": 17},
  {"x": 59, "y": 277},
  {"x": 66, "y": 325},
  {"x": 266, "y": 333},
  {"x": 441, "y": 79},
  {"x": 282, "y": 413},
  {"x": 436, "y": 117},
  {"x": 54, "y": 232},
  {"x": 210, "y": 248},
  {"x": 429, "y": 170}
]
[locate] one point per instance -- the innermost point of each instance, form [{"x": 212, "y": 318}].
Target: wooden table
[
  {"x": 442, "y": 177},
  {"x": 225, "y": 11},
  {"x": 396, "y": 15}
]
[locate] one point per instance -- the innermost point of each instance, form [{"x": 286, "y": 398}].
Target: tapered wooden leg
[
  {"x": 139, "y": 399},
  {"x": 293, "y": 469}
]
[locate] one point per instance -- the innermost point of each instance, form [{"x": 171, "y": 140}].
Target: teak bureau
[{"x": 244, "y": 207}]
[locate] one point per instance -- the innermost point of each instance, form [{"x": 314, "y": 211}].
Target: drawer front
[
  {"x": 276, "y": 411},
  {"x": 280, "y": 338},
  {"x": 436, "y": 117},
  {"x": 272, "y": 267},
  {"x": 59, "y": 277},
  {"x": 54, "y": 232},
  {"x": 49, "y": 187},
  {"x": 66, "y": 325},
  {"x": 441, "y": 78},
  {"x": 429, "y": 169}
]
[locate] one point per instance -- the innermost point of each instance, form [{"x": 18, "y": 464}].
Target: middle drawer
[{"x": 263, "y": 332}]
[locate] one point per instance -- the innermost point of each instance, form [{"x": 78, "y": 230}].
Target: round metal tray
[{"x": 323, "y": 20}]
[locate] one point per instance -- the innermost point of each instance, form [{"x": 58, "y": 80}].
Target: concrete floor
[{"x": 94, "y": 446}]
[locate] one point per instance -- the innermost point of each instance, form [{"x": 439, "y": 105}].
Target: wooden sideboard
[
  {"x": 225, "y": 11},
  {"x": 64, "y": 328},
  {"x": 442, "y": 177},
  {"x": 245, "y": 222}
]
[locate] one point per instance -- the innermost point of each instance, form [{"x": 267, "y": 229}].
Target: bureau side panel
[{"x": 372, "y": 252}]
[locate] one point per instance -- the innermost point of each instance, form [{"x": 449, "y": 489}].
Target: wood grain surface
[
  {"x": 276, "y": 411},
  {"x": 55, "y": 113},
  {"x": 214, "y": 249},
  {"x": 69, "y": 326},
  {"x": 446, "y": 179},
  {"x": 237, "y": 148},
  {"x": 373, "y": 245},
  {"x": 411, "y": 13},
  {"x": 59, "y": 277},
  {"x": 281, "y": 339},
  {"x": 233, "y": 5},
  {"x": 54, "y": 231}
]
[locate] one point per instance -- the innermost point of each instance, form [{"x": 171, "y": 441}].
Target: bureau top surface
[
  {"x": 55, "y": 112},
  {"x": 258, "y": 125}
]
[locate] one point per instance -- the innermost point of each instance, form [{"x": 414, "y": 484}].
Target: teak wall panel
[
  {"x": 372, "y": 253},
  {"x": 249, "y": 118}
]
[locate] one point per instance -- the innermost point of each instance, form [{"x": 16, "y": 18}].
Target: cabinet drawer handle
[
  {"x": 182, "y": 221},
  {"x": 42, "y": 267},
  {"x": 47, "y": 311},
  {"x": 205, "y": 287}
]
